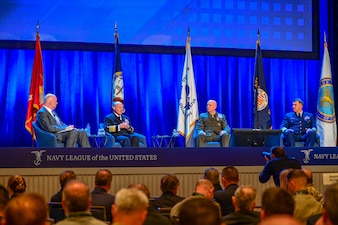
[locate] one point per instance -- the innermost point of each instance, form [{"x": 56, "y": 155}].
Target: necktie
[{"x": 58, "y": 121}]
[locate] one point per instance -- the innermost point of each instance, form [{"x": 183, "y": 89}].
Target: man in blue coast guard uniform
[
  {"x": 212, "y": 126},
  {"x": 299, "y": 126}
]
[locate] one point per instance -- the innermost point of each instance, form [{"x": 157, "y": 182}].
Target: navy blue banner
[{"x": 152, "y": 157}]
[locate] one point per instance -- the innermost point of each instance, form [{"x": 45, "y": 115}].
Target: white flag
[
  {"x": 188, "y": 108},
  {"x": 326, "y": 116}
]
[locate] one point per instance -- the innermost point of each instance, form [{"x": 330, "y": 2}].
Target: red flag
[{"x": 36, "y": 92}]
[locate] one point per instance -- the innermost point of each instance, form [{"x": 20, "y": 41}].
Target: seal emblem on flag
[{"x": 262, "y": 99}]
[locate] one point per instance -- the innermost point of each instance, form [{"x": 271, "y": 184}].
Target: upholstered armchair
[{"x": 45, "y": 139}]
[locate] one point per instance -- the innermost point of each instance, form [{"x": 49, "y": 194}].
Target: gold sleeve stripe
[{"x": 112, "y": 129}]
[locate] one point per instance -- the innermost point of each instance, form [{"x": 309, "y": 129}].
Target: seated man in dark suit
[
  {"x": 49, "y": 121},
  {"x": 244, "y": 202},
  {"x": 100, "y": 194},
  {"x": 212, "y": 126},
  {"x": 299, "y": 125},
  {"x": 64, "y": 178},
  {"x": 169, "y": 187},
  {"x": 120, "y": 127},
  {"x": 230, "y": 179}
]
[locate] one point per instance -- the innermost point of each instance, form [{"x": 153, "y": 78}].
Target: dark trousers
[
  {"x": 309, "y": 138},
  {"x": 128, "y": 141}
]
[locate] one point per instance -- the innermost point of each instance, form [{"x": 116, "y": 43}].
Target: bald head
[
  {"x": 205, "y": 187},
  {"x": 280, "y": 220},
  {"x": 211, "y": 106},
  {"x": 26, "y": 209},
  {"x": 76, "y": 197}
]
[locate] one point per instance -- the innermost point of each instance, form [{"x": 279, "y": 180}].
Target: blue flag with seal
[
  {"x": 326, "y": 115},
  {"x": 262, "y": 117},
  {"x": 117, "y": 84}
]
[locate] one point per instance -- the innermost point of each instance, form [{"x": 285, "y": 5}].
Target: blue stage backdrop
[{"x": 82, "y": 82}]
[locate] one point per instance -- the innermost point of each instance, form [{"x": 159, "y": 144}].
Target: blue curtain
[{"x": 82, "y": 82}]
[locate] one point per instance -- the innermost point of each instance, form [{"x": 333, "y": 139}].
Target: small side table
[
  {"x": 97, "y": 141},
  {"x": 163, "y": 141}
]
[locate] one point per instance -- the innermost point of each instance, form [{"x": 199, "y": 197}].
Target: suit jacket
[
  {"x": 57, "y": 197},
  {"x": 111, "y": 125},
  {"x": 167, "y": 199},
  {"x": 48, "y": 123},
  {"x": 101, "y": 197},
  {"x": 298, "y": 124},
  {"x": 154, "y": 218},
  {"x": 224, "y": 198},
  {"x": 212, "y": 125}
]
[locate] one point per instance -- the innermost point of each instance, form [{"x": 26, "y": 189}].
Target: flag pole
[{"x": 186, "y": 97}]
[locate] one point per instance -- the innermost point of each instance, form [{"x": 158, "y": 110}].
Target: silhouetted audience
[
  {"x": 212, "y": 174},
  {"x": 230, "y": 179},
  {"x": 64, "y": 178},
  {"x": 169, "y": 187},
  {"x": 244, "y": 202},
  {"x": 100, "y": 194}
]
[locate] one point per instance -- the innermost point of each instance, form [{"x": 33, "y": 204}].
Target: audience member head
[
  {"x": 141, "y": 187},
  {"x": 276, "y": 152},
  {"x": 244, "y": 198},
  {"x": 211, "y": 106},
  {"x": 280, "y": 220},
  {"x": 26, "y": 209},
  {"x": 297, "y": 180},
  {"x": 66, "y": 176},
  {"x": 282, "y": 179},
  {"x": 330, "y": 215},
  {"x": 297, "y": 105},
  {"x": 76, "y": 197},
  {"x": 50, "y": 101},
  {"x": 211, "y": 174},
  {"x": 16, "y": 185},
  {"x": 118, "y": 107},
  {"x": 205, "y": 187},
  {"x": 308, "y": 175},
  {"x": 276, "y": 200},
  {"x": 169, "y": 183},
  {"x": 103, "y": 179},
  {"x": 4, "y": 198},
  {"x": 130, "y": 207},
  {"x": 199, "y": 211},
  {"x": 229, "y": 176}
]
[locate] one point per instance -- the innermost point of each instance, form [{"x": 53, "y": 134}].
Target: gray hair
[{"x": 129, "y": 200}]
